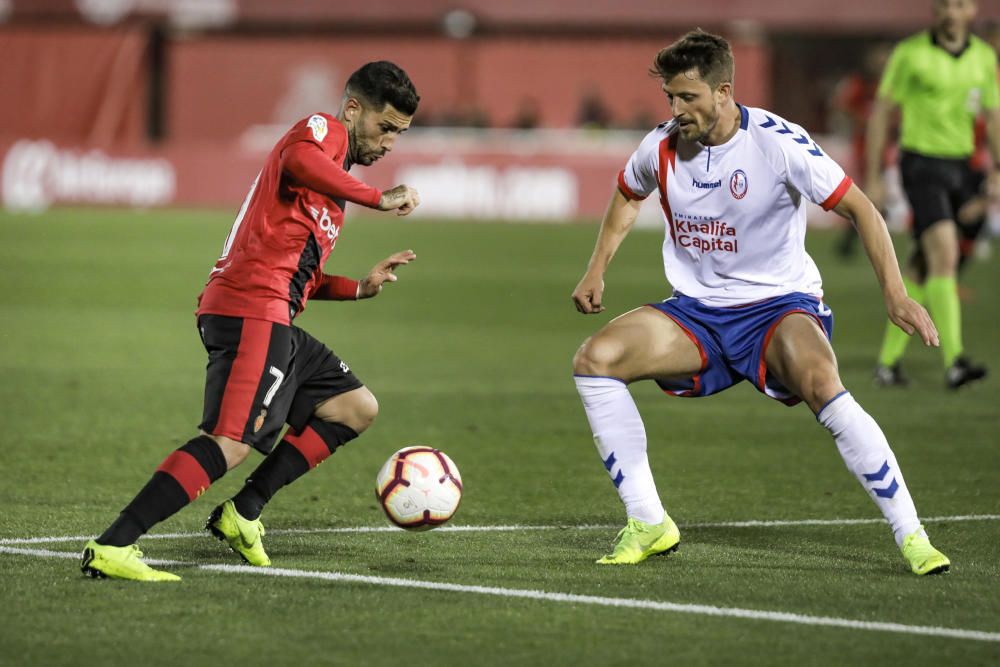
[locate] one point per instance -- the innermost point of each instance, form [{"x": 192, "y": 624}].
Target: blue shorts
[{"x": 733, "y": 341}]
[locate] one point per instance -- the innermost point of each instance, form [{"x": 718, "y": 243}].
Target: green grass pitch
[{"x": 470, "y": 352}]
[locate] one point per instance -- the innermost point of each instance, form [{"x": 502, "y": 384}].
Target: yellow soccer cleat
[
  {"x": 242, "y": 535},
  {"x": 922, "y": 556},
  {"x": 102, "y": 560},
  {"x": 637, "y": 541}
]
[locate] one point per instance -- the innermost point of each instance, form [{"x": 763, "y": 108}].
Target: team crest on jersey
[
  {"x": 738, "y": 184},
  {"x": 259, "y": 422},
  {"x": 318, "y": 126}
]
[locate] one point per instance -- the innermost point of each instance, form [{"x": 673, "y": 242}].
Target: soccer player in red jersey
[{"x": 263, "y": 371}]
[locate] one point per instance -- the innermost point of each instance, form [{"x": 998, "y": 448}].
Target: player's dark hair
[
  {"x": 382, "y": 82},
  {"x": 710, "y": 54}
]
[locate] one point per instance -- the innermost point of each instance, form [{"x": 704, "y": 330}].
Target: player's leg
[
  {"x": 801, "y": 357},
  {"x": 972, "y": 205},
  {"x": 336, "y": 421},
  {"x": 940, "y": 244},
  {"x": 181, "y": 478},
  {"x": 638, "y": 345},
  {"x": 237, "y": 386},
  {"x": 326, "y": 407}
]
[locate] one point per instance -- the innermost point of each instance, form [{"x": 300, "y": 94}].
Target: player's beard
[
  {"x": 711, "y": 119},
  {"x": 359, "y": 152},
  {"x": 711, "y": 122}
]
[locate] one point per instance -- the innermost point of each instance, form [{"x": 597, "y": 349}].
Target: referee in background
[{"x": 941, "y": 79}]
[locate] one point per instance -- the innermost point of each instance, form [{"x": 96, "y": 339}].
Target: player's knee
[
  {"x": 941, "y": 252},
  {"x": 235, "y": 451},
  {"x": 363, "y": 413},
  {"x": 942, "y": 264},
  {"x": 819, "y": 386},
  {"x": 599, "y": 355},
  {"x": 356, "y": 409}
]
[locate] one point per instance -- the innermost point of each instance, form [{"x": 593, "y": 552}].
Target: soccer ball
[{"x": 419, "y": 488}]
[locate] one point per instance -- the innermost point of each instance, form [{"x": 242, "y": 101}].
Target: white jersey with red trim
[{"x": 736, "y": 213}]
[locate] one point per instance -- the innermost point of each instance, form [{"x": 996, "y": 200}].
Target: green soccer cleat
[
  {"x": 242, "y": 535},
  {"x": 102, "y": 560},
  {"x": 637, "y": 541},
  {"x": 922, "y": 556}
]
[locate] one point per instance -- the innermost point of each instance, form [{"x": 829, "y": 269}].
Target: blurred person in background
[
  {"x": 263, "y": 371},
  {"x": 973, "y": 217},
  {"x": 850, "y": 108},
  {"x": 940, "y": 79},
  {"x": 528, "y": 115},
  {"x": 593, "y": 112}
]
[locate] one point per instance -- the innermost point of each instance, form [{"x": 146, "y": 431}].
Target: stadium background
[
  {"x": 129, "y": 134},
  {"x": 174, "y": 102}
]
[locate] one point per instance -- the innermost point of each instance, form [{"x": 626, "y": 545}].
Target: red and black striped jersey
[{"x": 288, "y": 225}]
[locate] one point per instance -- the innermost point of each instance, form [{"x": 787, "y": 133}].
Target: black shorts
[
  {"x": 261, "y": 375},
  {"x": 936, "y": 188}
]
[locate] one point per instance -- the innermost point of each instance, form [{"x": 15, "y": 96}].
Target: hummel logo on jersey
[{"x": 706, "y": 186}]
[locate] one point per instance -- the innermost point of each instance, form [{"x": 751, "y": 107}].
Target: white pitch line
[
  {"x": 571, "y": 598},
  {"x": 753, "y": 523}
]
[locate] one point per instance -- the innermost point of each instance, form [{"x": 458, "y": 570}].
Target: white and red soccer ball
[{"x": 419, "y": 488}]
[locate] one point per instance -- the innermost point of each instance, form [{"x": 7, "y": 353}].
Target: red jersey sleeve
[
  {"x": 308, "y": 164},
  {"x": 335, "y": 288}
]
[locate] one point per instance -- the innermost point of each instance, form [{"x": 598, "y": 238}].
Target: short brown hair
[{"x": 710, "y": 54}]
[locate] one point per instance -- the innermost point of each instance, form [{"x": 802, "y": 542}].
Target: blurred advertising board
[{"x": 512, "y": 175}]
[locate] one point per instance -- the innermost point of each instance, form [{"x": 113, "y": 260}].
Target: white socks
[
  {"x": 867, "y": 454},
  {"x": 621, "y": 442}
]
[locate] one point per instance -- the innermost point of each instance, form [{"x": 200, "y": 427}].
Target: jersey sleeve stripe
[
  {"x": 625, "y": 189},
  {"x": 668, "y": 155},
  {"x": 837, "y": 194}
]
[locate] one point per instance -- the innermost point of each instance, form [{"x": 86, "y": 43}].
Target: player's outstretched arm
[
  {"x": 308, "y": 165},
  {"x": 402, "y": 199},
  {"x": 383, "y": 272},
  {"x": 618, "y": 220},
  {"x": 904, "y": 312}
]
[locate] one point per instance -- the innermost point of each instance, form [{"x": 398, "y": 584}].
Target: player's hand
[
  {"x": 588, "y": 294},
  {"x": 402, "y": 199},
  {"x": 383, "y": 272},
  {"x": 912, "y": 318}
]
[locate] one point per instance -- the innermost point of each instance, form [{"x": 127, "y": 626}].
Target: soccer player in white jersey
[{"x": 747, "y": 304}]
